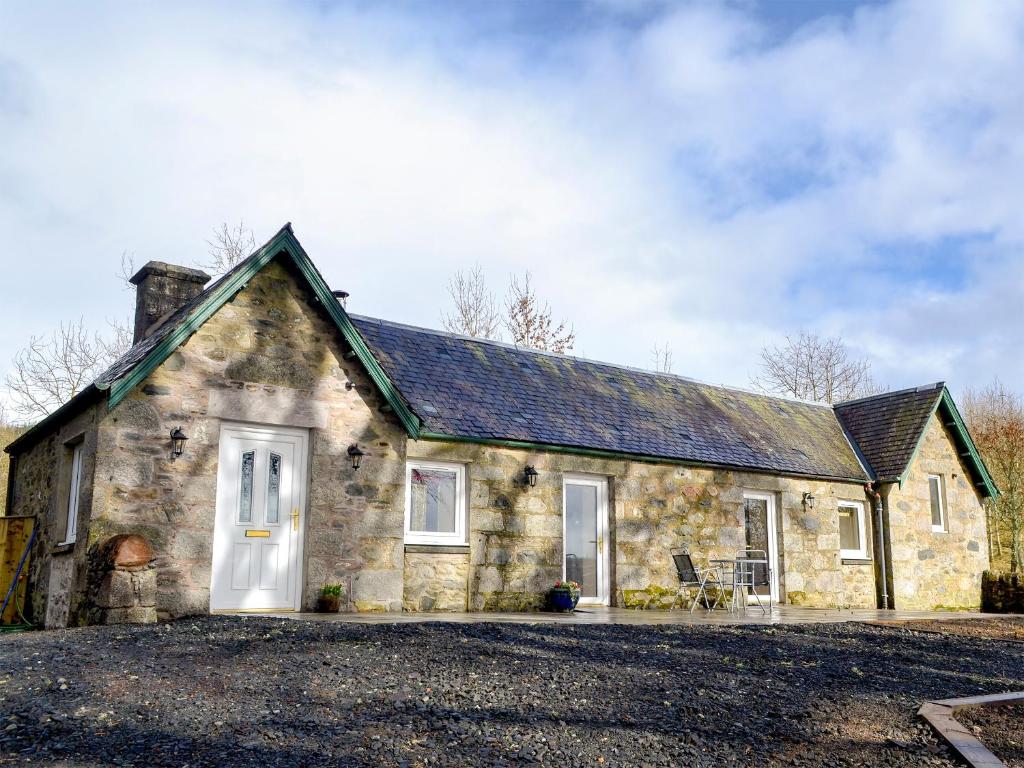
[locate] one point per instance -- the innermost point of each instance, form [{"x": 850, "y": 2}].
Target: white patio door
[
  {"x": 257, "y": 541},
  {"x": 585, "y": 537},
  {"x": 759, "y": 514}
]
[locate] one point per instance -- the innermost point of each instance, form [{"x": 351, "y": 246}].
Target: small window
[
  {"x": 435, "y": 503},
  {"x": 937, "y": 504},
  {"x": 852, "y": 531},
  {"x": 71, "y": 530}
]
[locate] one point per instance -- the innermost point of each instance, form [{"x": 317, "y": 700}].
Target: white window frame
[
  {"x": 460, "y": 536},
  {"x": 862, "y": 531},
  {"x": 75, "y": 486},
  {"x": 942, "y": 527}
]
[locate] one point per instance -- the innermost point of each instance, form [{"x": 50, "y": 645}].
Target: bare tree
[
  {"x": 228, "y": 247},
  {"x": 8, "y": 433},
  {"x": 53, "y": 369},
  {"x": 476, "y": 311},
  {"x": 814, "y": 368},
  {"x": 530, "y": 323},
  {"x": 662, "y": 357},
  {"x": 995, "y": 417}
]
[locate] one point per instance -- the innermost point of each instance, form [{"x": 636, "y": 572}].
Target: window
[
  {"x": 435, "y": 503},
  {"x": 937, "y": 504},
  {"x": 71, "y": 530},
  {"x": 853, "y": 540}
]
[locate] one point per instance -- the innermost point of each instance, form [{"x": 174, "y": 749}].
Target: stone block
[{"x": 136, "y": 615}]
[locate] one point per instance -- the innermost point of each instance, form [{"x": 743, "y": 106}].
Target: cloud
[{"x": 680, "y": 173}]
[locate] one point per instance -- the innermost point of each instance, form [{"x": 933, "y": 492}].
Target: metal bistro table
[{"x": 746, "y": 577}]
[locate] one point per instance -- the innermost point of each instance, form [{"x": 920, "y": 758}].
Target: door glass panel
[
  {"x": 433, "y": 500},
  {"x": 581, "y": 537},
  {"x": 245, "y": 495},
  {"x": 274, "y": 489},
  {"x": 757, "y": 538}
]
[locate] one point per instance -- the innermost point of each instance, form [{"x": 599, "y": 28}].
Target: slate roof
[
  {"x": 888, "y": 427},
  {"x": 478, "y": 389}
]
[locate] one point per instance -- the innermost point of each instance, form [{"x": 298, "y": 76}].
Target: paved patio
[{"x": 785, "y": 614}]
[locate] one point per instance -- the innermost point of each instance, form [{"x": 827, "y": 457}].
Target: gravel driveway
[{"x": 267, "y": 692}]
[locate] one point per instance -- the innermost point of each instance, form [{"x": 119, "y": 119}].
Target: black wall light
[
  {"x": 178, "y": 439},
  {"x": 531, "y": 476},
  {"x": 808, "y": 499},
  {"x": 355, "y": 455}
]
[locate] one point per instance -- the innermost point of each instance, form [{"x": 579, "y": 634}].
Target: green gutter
[
  {"x": 619, "y": 456},
  {"x": 284, "y": 242}
]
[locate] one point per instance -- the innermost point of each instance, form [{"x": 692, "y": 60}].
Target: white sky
[{"x": 696, "y": 175}]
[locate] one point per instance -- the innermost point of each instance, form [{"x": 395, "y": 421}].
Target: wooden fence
[{"x": 15, "y": 533}]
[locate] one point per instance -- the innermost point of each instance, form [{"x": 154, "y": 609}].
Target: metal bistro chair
[
  {"x": 752, "y": 571},
  {"x": 690, "y": 576}
]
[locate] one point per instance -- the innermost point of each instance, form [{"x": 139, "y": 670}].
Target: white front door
[
  {"x": 257, "y": 540},
  {"x": 585, "y": 537},
  {"x": 759, "y": 521}
]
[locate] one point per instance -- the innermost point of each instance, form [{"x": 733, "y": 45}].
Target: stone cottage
[{"x": 262, "y": 441}]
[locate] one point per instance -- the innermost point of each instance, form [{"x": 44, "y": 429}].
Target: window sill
[
  {"x": 857, "y": 560},
  {"x": 64, "y": 548},
  {"x": 939, "y": 530},
  {"x": 438, "y": 549}
]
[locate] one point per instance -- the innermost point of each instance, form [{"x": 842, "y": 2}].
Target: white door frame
[
  {"x": 300, "y": 483},
  {"x": 603, "y": 571},
  {"x": 773, "y": 537}
]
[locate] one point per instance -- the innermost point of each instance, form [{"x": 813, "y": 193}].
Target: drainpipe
[{"x": 880, "y": 538}]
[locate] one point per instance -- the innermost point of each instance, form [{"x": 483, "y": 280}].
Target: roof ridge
[
  {"x": 619, "y": 366},
  {"x": 938, "y": 385}
]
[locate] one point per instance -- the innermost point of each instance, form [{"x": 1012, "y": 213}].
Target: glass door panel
[{"x": 581, "y": 535}]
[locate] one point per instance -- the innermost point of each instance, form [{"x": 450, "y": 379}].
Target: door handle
[{"x": 295, "y": 519}]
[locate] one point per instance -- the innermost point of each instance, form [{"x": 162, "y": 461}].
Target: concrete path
[{"x": 785, "y": 614}]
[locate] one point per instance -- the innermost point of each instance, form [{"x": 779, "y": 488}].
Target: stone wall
[
  {"x": 42, "y": 484},
  {"x": 516, "y": 531},
  {"x": 1002, "y": 592},
  {"x": 931, "y": 570},
  {"x": 272, "y": 356},
  {"x": 435, "y": 581}
]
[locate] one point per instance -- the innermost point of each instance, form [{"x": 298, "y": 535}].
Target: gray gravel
[{"x": 219, "y": 691}]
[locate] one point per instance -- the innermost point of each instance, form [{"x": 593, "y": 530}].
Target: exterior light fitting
[
  {"x": 808, "y": 499},
  {"x": 355, "y": 455},
  {"x": 531, "y": 476},
  {"x": 178, "y": 439}
]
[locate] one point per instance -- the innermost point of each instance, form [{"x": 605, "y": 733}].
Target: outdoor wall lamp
[
  {"x": 531, "y": 476},
  {"x": 355, "y": 455},
  {"x": 178, "y": 439},
  {"x": 808, "y": 499}
]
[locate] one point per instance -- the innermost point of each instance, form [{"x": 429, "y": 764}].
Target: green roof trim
[
  {"x": 283, "y": 243},
  {"x": 966, "y": 449},
  {"x": 598, "y": 453},
  {"x": 959, "y": 429}
]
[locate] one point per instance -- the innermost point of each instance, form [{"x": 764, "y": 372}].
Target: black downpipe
[{"x": 880, "y": 541}]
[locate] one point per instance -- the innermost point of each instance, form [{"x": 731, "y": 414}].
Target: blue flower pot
[{"x": 563, "y": 599}]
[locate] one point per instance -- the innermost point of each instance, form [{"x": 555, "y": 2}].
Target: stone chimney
[{"x": 161, "y": 289}]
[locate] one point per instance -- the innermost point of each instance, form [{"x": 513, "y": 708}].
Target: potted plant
[
  {"x": 329, "y": 599},
  {"x": 564, "y": 595}
]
